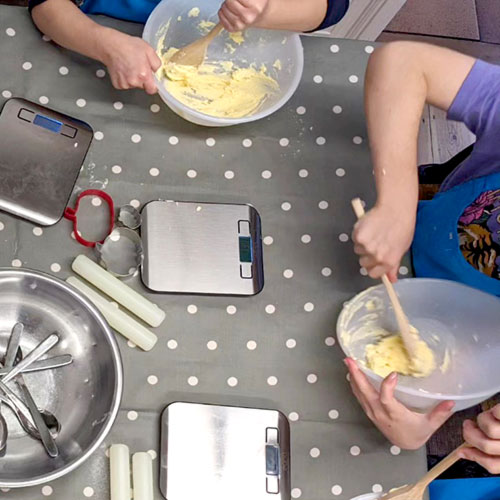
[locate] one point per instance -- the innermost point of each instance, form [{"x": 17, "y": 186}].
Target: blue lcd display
[
  {"x": 245, "y": 249},
  {"x": 48, "y": 123},
  {"x": 272, "y": 460}
]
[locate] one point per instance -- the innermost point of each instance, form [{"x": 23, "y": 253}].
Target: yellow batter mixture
[
  {"x": 390, "y": 355},
  {"x": 218, "y": 88},
  {"x": 205, "y": 27},
  {"x": 237, "y": 37}
]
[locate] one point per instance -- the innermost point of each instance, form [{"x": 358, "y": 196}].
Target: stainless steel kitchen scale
[
  {"x": 202, "y": 248},
  {"x": 224, "y": 453},
  {"x": 41, "y": 153}
]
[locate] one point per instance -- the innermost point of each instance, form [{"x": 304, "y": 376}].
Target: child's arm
[
  {"x": 293, "y": 15},
  {"x": 130, "y": 60},
  {"x": 401, "y": 77}
]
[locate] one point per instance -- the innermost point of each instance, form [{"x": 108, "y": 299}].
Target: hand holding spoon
[{"x": 409, "y": 339}]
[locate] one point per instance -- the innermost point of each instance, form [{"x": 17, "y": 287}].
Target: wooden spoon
[
  {"x": 409, "y": 339},
  {"x": 194, "y": 54},
  {"x": 417, "y": 490}
]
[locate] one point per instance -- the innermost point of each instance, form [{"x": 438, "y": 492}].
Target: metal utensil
[
  {"x": 23, "y": 415},
  {"x": 15, "y": 400},
  {"x": 44, "y": 364},
  {"x": 38, "y": 417},
  {"x": 416, "y": 491},
  {"x": 12, "y": 347},
  {"x": 33, "y": 356},
  {"x": 86, "y": 394},
  {"x": 194, "y": 54}
]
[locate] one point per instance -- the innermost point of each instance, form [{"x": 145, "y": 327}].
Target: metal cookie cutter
[
  {"x": 121, "y": 253},
  {"x": 129, "y": 216}
]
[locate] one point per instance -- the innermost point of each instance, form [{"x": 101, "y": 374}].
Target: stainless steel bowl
[{"x": 84, "y": 396}]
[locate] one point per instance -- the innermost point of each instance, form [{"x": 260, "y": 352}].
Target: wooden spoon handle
[
  {"x": 401, "y": 318},
  {"x": 442, "y": 466},
  {"x": 214, "y": 32}
]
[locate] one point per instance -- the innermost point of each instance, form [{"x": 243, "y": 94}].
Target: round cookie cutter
[
  {"x": 129, "y": 216},
  {"x": 121, "y": 253}
]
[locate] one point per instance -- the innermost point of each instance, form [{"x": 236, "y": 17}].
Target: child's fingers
[
  {"x": 235, "y": 7},
  {"x": 387, "y": 399},
  {"x": 225, "y": 22},
  {"x": 359, "y": 249},
  {"x": 359, "y": 378},
  {"x": 153, "y": 59},
  {"x": 247, "y": 3},
  {"x": 392, "y": 274},
  {"x": 496, "y": 411},
  {"x": 368, "y": 262},
  {"x": 150, "y": 85},
  {"x": 474, "y": 436},
  {"x": 490, "y": 463},
  {"x": 232, "y": 19},
  {"x": 376, "y": 272},
  {"x": 119, "y": 82},
  {"x": 489, "y": 424}
]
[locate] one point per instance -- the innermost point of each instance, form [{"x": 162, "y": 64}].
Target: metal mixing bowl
[{"x": 84, "y": 396}]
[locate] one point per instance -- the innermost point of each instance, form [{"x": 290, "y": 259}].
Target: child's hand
[
  {"x": 404, "y": 428},
  {"x": 130, "y": 61},
  {"x": 484, "y": 436},
  {"x": 381, "y": 238},
  {"x": 237, "y": 15}
]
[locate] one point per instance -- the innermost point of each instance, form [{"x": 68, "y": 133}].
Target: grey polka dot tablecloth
[{"x": 299, "y": 168}]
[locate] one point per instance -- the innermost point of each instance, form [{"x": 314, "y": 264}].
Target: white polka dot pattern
[{"x": 297, "y": 167}]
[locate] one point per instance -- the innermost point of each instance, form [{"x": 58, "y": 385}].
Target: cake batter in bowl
[
  {"x": 459, "y": 324},
  {"x": 268, "y": 55}
]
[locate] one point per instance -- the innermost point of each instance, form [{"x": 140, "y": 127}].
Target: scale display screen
[
  {"x": 48, "y": 123},
  {"x": 245, "y": 249}
]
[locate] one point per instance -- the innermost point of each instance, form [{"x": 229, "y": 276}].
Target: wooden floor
[
  {"x": 440, "y": 139},
  {"x": 466, "y": 19}
]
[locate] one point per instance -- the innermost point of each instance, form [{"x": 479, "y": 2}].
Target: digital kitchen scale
[
  {"x": 224, "y": 453},
  {"x": 41, "y": 153},
  {"x": 202, "y": 248}
]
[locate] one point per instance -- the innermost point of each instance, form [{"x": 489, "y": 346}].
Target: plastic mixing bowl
[
  {"x": 260, "y": 47},
  {"x": 460, "y": 324}
]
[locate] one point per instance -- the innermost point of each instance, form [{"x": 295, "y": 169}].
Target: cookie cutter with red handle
[{"x": 71, "y": 214}]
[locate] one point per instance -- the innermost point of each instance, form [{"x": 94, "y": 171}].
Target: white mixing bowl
[
  {"x": 449, "y": 316},
  {"x": 260, "y": 47}
]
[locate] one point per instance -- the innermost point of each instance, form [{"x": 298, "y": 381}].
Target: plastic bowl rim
[
  {"x": 409, "y": 390},
  {"x": 294, "y": 84}
]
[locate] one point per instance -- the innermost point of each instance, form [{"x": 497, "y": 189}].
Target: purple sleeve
[{"x": 477, "y": 103}]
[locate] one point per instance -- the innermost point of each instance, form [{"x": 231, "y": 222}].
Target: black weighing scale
[{"x": 41, "y": 153}]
